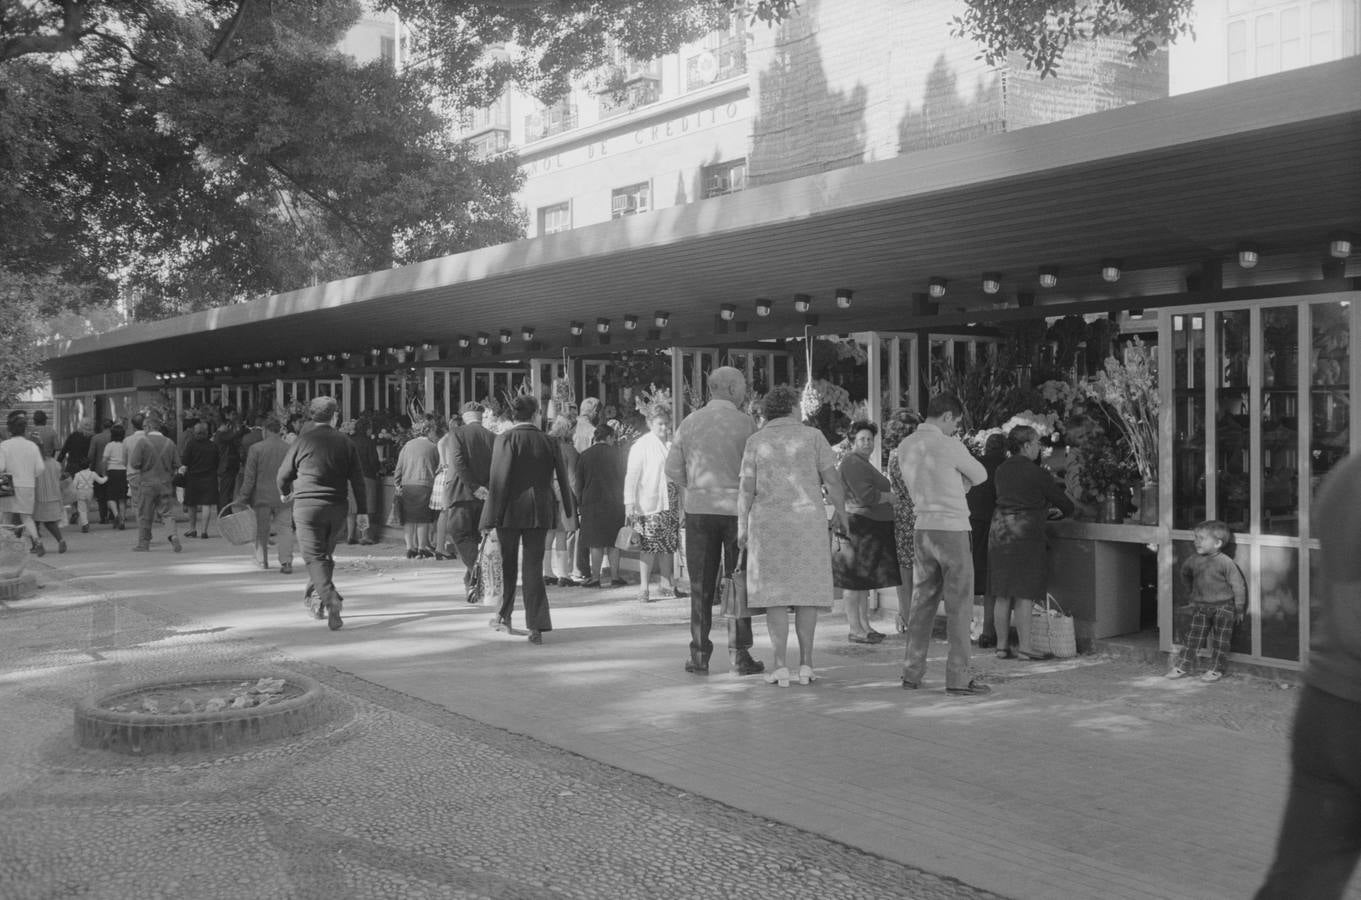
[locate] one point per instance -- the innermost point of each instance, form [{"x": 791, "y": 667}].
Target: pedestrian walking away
[
  {"x": 320, "y": 468},
  {"x": 155, "y": 459},
  {"x": 260, "y": 491}
]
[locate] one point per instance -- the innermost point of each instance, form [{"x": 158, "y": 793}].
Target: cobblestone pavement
[{"x": 392, "y": 797}]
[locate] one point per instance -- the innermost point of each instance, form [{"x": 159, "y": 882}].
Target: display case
[{"x": 1261, "y": 410}]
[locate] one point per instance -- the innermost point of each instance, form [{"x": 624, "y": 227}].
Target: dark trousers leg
[
  {"x": 226, "y": 489},
  {"x": 979, "y": 548},
  {"x": 510, "y": 570},
  {"x": 711, "y": 547},
  {"x": 1320, "y": 837},
  {"x": 319, "y": 528},
  {"x": 536, "y": 595},
  {"x": 583, "y": 560},
  {"x": 463, "y": 531}
]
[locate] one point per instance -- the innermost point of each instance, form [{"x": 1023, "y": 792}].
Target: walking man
[
  {"x": 471, "y": 446},
  {"x": 317, "y": 472},
  {"x": 260, "y": 491},
  {"x": 155, "y": 461},
  {"x": 705, "y": 461},
  {"x": 129, "y": 445},
  {"x": 938, "y": 469}
]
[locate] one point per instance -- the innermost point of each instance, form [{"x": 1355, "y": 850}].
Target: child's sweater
[
  {"x": 84, "y": 483},
  {"x": 1215, "y": 580}
]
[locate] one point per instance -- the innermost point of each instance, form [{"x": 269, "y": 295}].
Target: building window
[
  {"x": 485, "y": 118},
  {"x": 553, "y": 219},
  {"x": 489, "y": 143},
  {"x": 628, "y": 201},
  {"x": 387, "y": 51},
  {"x": 1266, "y": 37},
  {"x": 551, "y": 120},
  {"x": 724, "y": 178},
  {"x": 721, "y": 55}
]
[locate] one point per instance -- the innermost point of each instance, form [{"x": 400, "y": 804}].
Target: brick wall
[{"x": 852, "y": 81}]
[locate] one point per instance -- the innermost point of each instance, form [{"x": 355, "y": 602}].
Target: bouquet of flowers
[
  {"x": 1126, "y": 393},
  {"x": 1045, "y": 424}
]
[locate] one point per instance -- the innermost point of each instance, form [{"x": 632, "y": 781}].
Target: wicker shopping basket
[{"x": 238, "y": 527}]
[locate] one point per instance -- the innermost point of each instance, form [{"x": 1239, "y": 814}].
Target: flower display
[
  {"x": 821, "y": 391},
  {"x": 1045, "y": 425},
  {"x": 1126, "y": 394}
]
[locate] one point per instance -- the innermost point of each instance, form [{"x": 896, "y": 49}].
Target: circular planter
[{"x": 102, "y": 725}]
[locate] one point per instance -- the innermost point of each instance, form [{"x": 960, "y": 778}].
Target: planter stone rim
[{"x": 90, "y": 708}]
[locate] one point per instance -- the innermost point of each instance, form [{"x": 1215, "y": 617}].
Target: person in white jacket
[
  {"x": 652, "y": 506},
  {"x": 21, "y": 458}
]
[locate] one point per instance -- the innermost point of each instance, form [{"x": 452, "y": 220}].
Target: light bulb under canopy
[
  {"x": 843, "y": 298},
  {"x": 802, "y": 302},
  {"x": 992, "y": 282},
  {"x": 1111, "y": 270},
  {"x": 935, "y": 288}
]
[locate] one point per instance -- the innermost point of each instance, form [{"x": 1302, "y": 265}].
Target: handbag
[
  {"x": 489, "y": 577},
  {"x": 732, "y": 591},
  {"x": 1051, "y": 630},
  {"x": 439, "y": 491},
  {"x": 395, "y": 516},
  {"x": 6, "y": 484},
  {"x": 628, "y": 538}
]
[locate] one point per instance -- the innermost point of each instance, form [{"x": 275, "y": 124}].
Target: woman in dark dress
[
  {"x": 1017, "y": 575},
  {"x": 198, "y": 464},
  {"x": 600, "y": 488},
  {"x": 868, "y": 555}
]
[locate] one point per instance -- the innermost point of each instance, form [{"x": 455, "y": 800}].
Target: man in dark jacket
[
  {"x": 982, "y": 500},
  {"x": 318, "y": 471},
  {"x": 522, "y": 506},
  {"x": 471, "y": 454}
]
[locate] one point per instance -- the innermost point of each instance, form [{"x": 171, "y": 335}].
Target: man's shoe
[
  {"x": 618, "y": 582},
  {"x": 142, "y": 548},
  {"x": 191, "y": 534},
  {"x": 499, "y": 624},
  {"x": 746, "y": 665},
  {"x": 85, "y": 529},
  {"x": 535, "y": 636},
  {"x": 175, "y": 543},
  {"x": 859, "y": 638},
  {"x": 590, "y": 583},
  {"x": 697, "y": 664},
  {"x": 1212, "y": 676},
  {"x": 61, "y": 546},
  {"x": 352, "y": 541},
  {"x": 550, "y": 581},
  {"x": 1176, "y": 672},
  {"x": 986, "y": 641},
  {"x": 39, "y": 549},
  {"x": 313, "y": 603},
  {"x": 972, "y": 689},
  {"x": 365, "y": 542},
  {"x": 909, "y": 685},
  {"x": 333, "y": 620},
  {"x": 286, "y": 569}
]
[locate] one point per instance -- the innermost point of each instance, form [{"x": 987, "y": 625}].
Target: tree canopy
[{"x": 189, "y": 153}]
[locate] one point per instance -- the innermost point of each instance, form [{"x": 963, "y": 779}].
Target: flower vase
[
  {"x": 1148, "y": 503},
  {"x": 1112, "y": 509}
]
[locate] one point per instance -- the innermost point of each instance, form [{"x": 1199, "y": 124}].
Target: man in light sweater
[
  {"x": 938, "y": 471},
  {"x": 705, "y": 461}
]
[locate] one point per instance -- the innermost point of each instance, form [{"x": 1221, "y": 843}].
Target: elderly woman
[
  {"x": 600, "y": 489},
  {"x": 1016, "y": 542},
  {"x": 867, "y": 558},
  {"x": 652, "y": 504},
  {"x": 588, "y": 417},
  {"x": 901, "y": 422},
  {"x": 22, "y": 459},
  {"x": 782, "y": 523},
  {"x": 557, "y": 561},
  {"x": 414, "y": 479}
]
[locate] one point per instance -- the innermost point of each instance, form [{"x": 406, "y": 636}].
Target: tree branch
[
  {"x": 326, "y": 204},
  {"x": 70, "y": 33},
  {"x": 229, "y": 32}
]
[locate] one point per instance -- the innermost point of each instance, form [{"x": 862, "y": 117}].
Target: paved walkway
[{"x": 1086, "y": 778}]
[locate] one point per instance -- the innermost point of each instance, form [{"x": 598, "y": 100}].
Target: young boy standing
[{"x": 1219, "y": 600}]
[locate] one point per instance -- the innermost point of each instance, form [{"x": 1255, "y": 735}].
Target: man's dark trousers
[
  {"x": 464, "y": 517},
  {"x": 710, "y": 540},
  {"x": 536, "y": 595},
  {"x": 319, "y": 526}
]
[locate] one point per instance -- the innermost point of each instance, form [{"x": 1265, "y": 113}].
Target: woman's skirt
[
  {"x": 600, "y": 523},
  {"x": 416, "y": 504},
  {"x": 867, "y": 558},
  {"x": 21, "y": 503},
  {"x": 200, "y": 490},
  {"x": 1016, "y": 556},
  {"x": 442, "y": 492},
  {"x": 116, "y": 488},
  {"x": 660, "y": 532}
]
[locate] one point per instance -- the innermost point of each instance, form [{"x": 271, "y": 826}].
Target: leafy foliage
[{"x": 1040, "y": 31}]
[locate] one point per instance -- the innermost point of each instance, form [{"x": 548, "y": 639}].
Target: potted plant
[{"x": 1106, "y": 475}]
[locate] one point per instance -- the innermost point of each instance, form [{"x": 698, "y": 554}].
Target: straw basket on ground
[{"x": 239, "y": 526}]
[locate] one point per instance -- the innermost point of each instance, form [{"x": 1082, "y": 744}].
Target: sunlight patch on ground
[{"x": 1113, "y": 723}]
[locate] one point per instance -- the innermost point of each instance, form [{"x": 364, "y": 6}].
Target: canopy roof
[{"x": 1162, "y": 186}]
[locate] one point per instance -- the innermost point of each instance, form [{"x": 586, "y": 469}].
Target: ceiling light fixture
[
  {"x": 727, "y": 312},
  {"x": 1049, "y": 276},
  {"x": 576, "y": 328},
  {"x": 661, "y": 318},
  {"x": 527, "y": 333},
  {"x": 464, "y": 341},
  {"x": 505, "y": 335},
  {"x": 630, "y": 323},
  {"x": 1110, "y": 270},
  {"x": 843, "y": 298},
  {"x": 1247, "y": 255},
  {"x": 763, "y": 307},
  {"x": 802, "y": 302},
  {"x": 1339, "y": 246},
  {"x": 936, "y": 287},
  {"x": 992, "y": 282},
  {"x": 602, "y": 325},
  {"x": 483, "y": 339}
]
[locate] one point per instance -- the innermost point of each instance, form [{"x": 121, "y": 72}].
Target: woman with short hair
[
  {"x": 1017, "y": 575},
  {"x": 652, "y": 504},
  {"x": 600, "y": 490},
  {"x": 867, "y": 556},
  {"x": 414, "y": 479},
  {"x": 782, "y": 523},
  {"x": 21, "y": 458}
]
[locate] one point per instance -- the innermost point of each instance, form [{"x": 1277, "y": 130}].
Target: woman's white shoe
[
  {"x": 780, "y": 676},
  {"x": 807, "y": 675}
]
